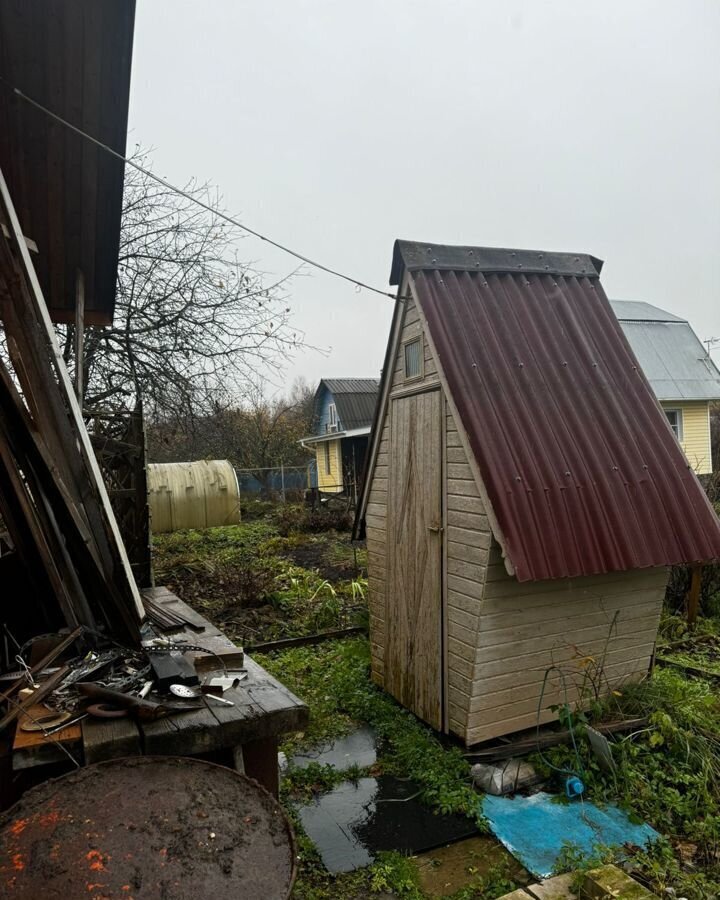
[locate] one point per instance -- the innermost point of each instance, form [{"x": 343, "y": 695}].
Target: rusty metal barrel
[{"x": 146, "y": 828}]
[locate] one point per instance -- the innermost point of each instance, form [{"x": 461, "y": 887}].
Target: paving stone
[
  {"x": 610, "y": 881},
  {"x": 557, "y": 888}
]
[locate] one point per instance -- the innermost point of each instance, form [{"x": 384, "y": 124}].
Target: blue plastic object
[
  {"x": 574, "y": 787},
  {"x": 534, "y": 829}
]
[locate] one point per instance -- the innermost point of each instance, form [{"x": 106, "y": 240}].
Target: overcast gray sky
[{"x": 336, "y": 127}]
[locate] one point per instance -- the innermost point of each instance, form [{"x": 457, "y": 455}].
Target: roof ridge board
[{"x": 415, "y": 255}]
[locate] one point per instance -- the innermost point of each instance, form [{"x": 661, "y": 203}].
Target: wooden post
[
  {"x": 693, "y": 597},
  {"x": 79, "y": 335}
]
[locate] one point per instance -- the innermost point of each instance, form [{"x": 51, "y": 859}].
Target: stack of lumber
[{"x": 53, "y": 502}]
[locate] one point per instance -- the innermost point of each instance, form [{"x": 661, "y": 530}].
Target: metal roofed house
[
  {"x": 680, "y": 371},
  {"x": 524, "y": 494},
  {"x": 342, "y": 416}
]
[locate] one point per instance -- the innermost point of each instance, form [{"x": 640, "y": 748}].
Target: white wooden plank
[
  {"x": 472, "y": 589},
  {"x": 469, "y": 536},
  {"x": 571, "y": 627},
  {"x": 462, "y": 487},
  {"x": 460, "y": 472},
  {"x": 463, "y": 569},
  {"x": 466, "y": 503},
  {"x": 460, "y": 601},
  {"x": 467, "y": 553}
]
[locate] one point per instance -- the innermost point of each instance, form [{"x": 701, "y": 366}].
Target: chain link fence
[{"x": 279, "y": 483}]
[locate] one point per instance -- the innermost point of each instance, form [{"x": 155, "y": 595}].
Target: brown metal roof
[
  {"x": 581, "y": 467},
  {"x": 72, "y": 56}
]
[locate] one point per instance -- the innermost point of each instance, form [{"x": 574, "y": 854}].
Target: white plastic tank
[{"x": 192, "y": 495}]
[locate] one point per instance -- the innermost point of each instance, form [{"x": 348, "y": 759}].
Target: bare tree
[
  {"x": 193, "y": 324},
  {"x": 256, "y": 436}
]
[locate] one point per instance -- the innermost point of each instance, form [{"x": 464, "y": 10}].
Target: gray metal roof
[
  {"x": 352, "y": 385},
  {"x": 355, "y": 400},
  {"x": 640, "y": 311},
  {"x": 672, "y": 357}
]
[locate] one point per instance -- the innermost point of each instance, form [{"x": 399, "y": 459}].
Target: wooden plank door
[{"x": 413, "y": 653}]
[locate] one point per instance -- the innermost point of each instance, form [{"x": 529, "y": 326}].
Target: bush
[
  {"x": 255, "y": 509},
  {"x": 679, "y": 581},
  {"x": 291, "y": 519}
]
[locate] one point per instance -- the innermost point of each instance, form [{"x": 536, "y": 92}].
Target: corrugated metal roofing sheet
[
  {"x": 352, "y": 385},
  {"x": 672, "y": 357},
  {"x": 581, "y": 467},
  {"x": 355, "y": 400},
  {"x": 640, "y": 311}
]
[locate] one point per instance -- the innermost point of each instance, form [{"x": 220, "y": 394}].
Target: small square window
[
  {"x": 413, "y": 359},
  {"x": 674, "y": 417}
]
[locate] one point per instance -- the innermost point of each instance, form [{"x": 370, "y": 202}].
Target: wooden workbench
[{"x": 245, "y": 734}]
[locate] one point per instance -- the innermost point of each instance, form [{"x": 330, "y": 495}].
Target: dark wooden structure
[
  {"x": 73, "y": 57},
  {"x": 120, "y": 446},
  {"x": 244, "y": 735},
  {"x": 52, "y": 496}
]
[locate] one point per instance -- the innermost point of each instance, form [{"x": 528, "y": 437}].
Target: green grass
[
  {"x": 333, "y": 679},
  {"x": 195, "y": 549},
  {"x": 243, "y": 579},
  {"x": 668, "y": 774}
]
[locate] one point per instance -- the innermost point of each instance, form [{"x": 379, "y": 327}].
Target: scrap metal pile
[{"x": 70, "y": 682}]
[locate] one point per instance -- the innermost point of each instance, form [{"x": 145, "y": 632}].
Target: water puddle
[
  {"x": 352, "y": 823},
  {"x": 356, "y": 749}
]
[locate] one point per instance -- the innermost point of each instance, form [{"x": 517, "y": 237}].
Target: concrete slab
[{"x": 610, "y": 881}]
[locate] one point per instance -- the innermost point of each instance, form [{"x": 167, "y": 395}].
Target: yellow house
[
  {"x": 343, "y": 414},
  {"x": 680, "y": 371}
]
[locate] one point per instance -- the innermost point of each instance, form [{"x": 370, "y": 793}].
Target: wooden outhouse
[{"x": 524, "y": 492}]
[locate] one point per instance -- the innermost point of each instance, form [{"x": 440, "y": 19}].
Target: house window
[
  {"x": 413, "y": 359},
  {"x": 327, "y": 457},
  {"x": 675, "y": 419},
  {"x": 332, "y": 417}
]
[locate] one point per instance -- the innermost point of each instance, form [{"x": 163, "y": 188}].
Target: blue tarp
[{"x": 535, "y": 829}]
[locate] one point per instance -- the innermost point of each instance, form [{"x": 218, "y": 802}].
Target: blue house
[{"x": 343, "y": 414}]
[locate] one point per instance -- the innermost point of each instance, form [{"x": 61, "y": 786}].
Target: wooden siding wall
[
  {"x": 332, "y": 482},
  {"x": 696, "y": 433},
  {"x": 467, "y": 548},
  {"x": 526, "y": 627},
  {"x": 376, "y": 512}
]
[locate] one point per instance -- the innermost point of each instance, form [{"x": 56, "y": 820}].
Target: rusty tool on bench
[
  {"x": 145, "y": 710},
  {"x": 49, "y": 657},
  {"x": 45, "y": 688}
]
